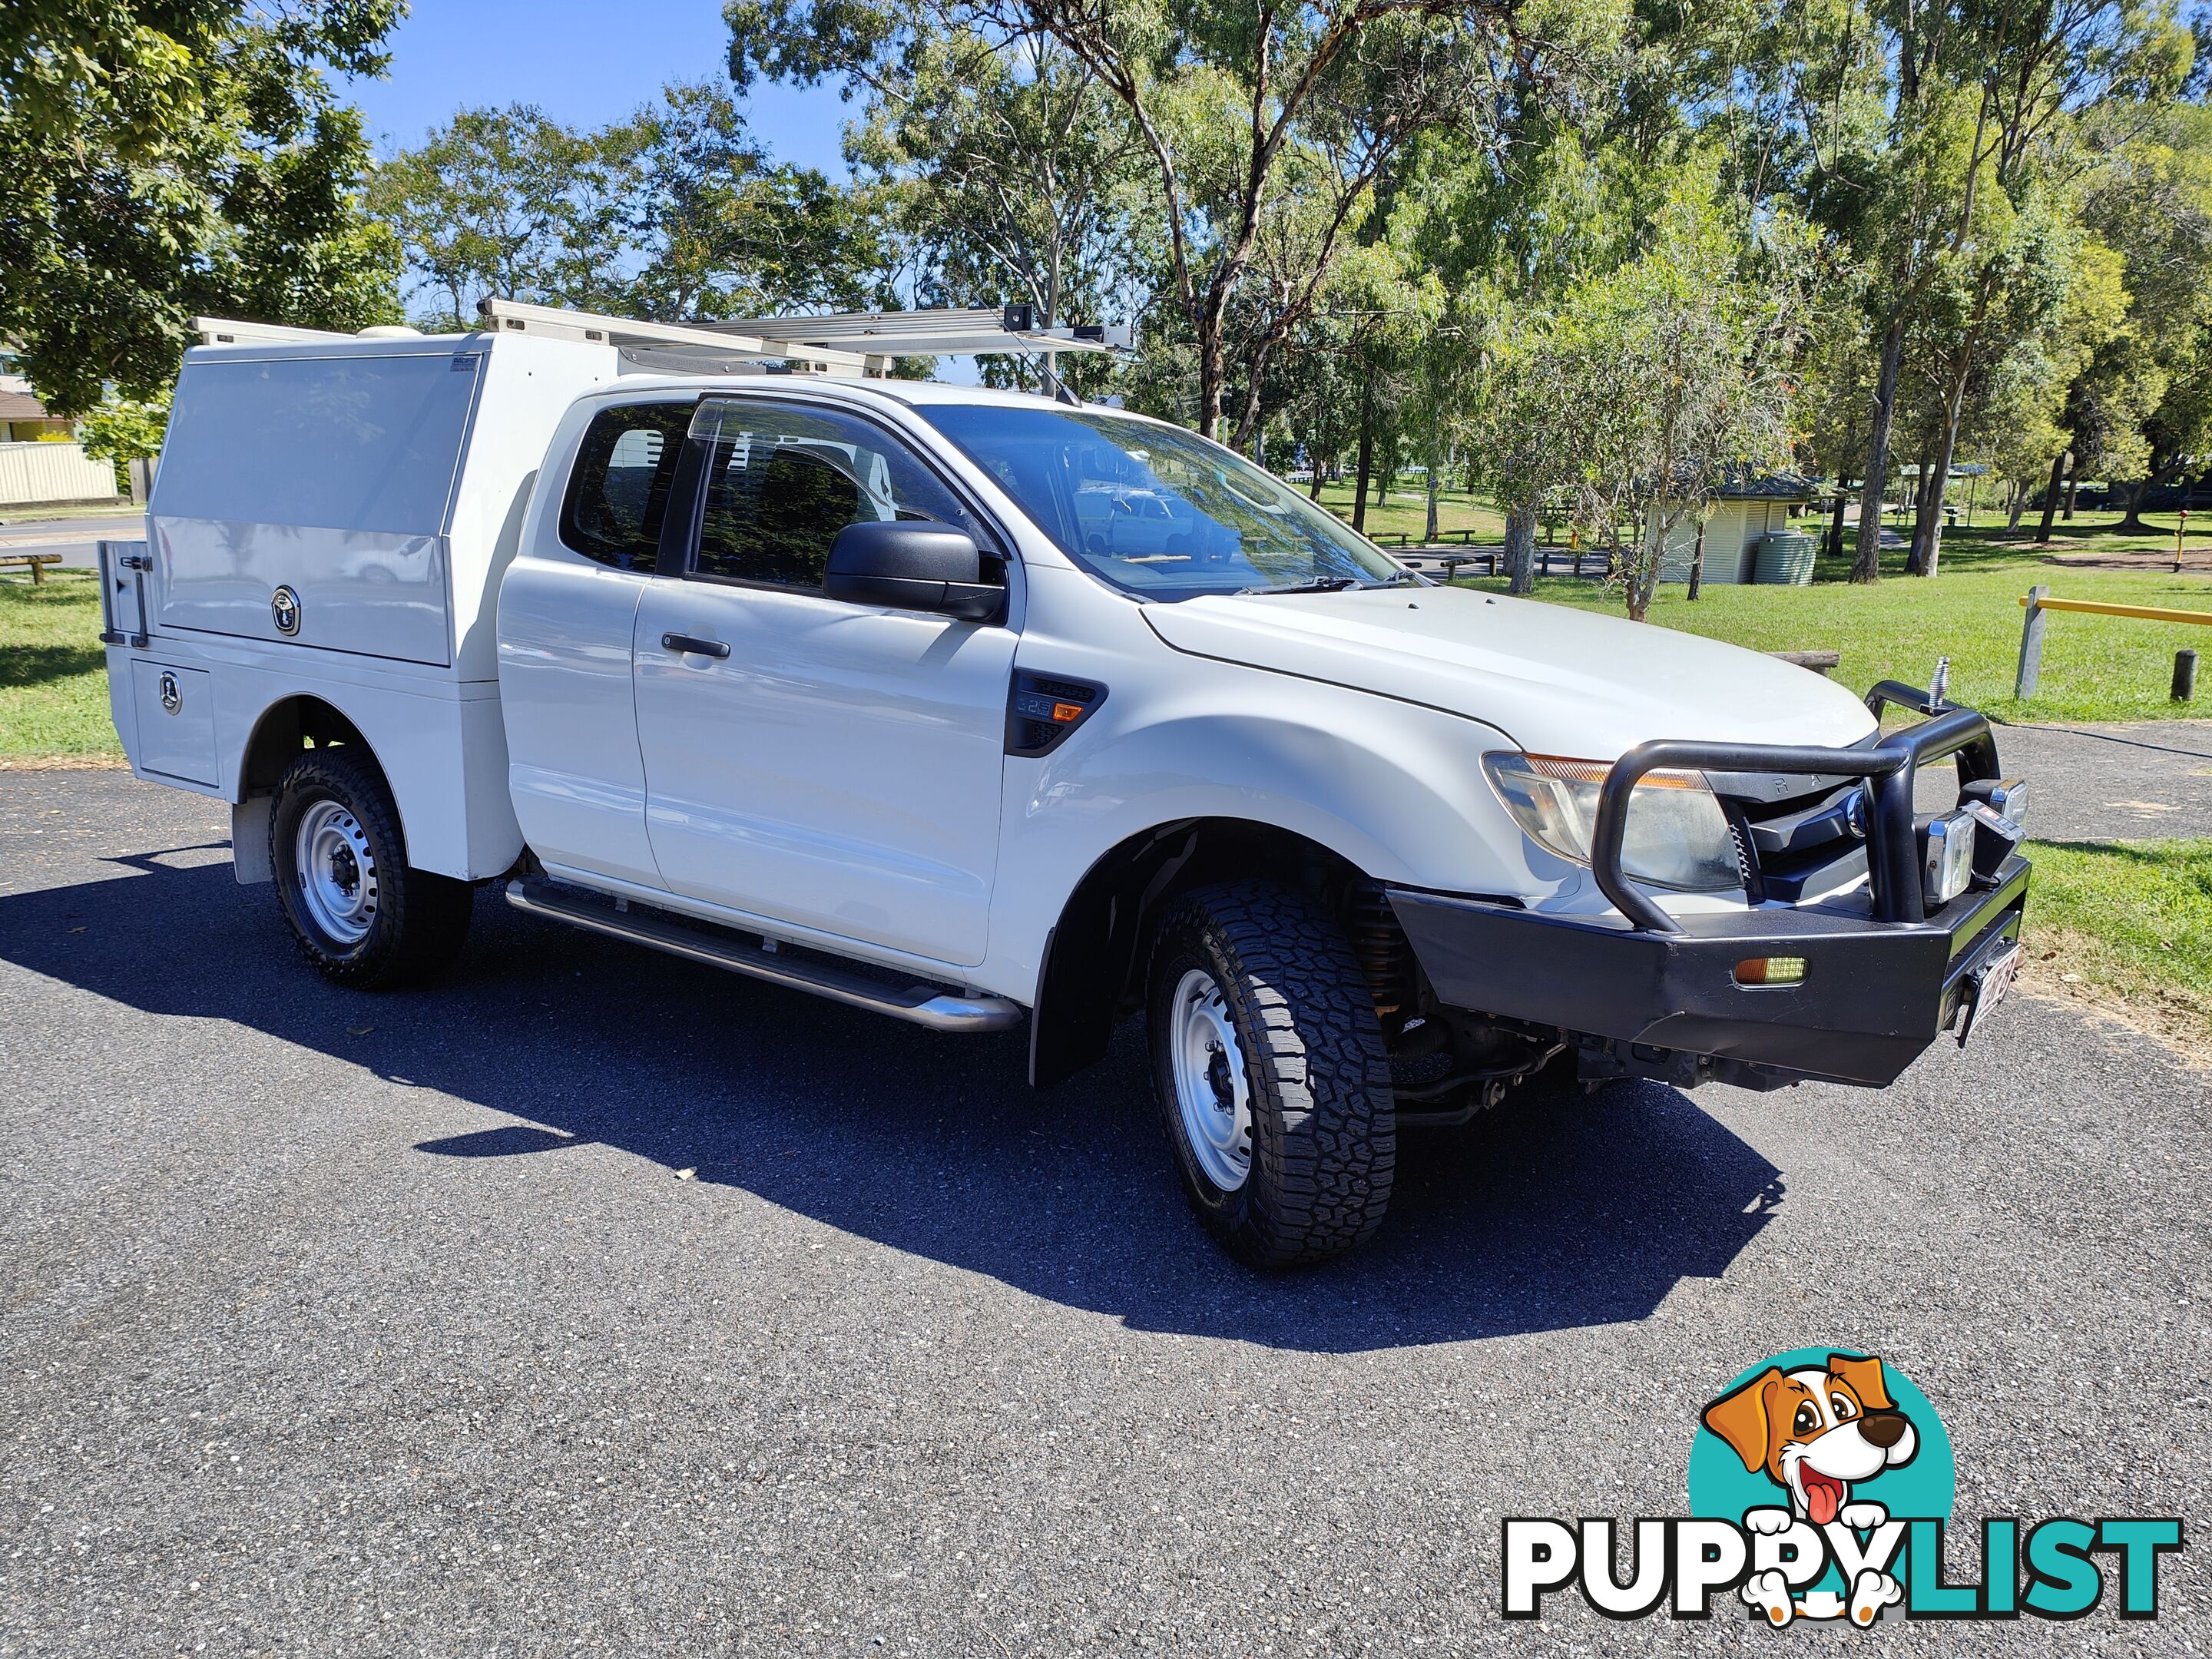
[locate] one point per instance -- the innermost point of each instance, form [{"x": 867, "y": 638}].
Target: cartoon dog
[{"x": 1813, "y": 1432}]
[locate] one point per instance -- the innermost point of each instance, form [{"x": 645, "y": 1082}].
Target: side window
[
  {"x": 782, "y": 481},
  {"x": 618, "y": 490}
]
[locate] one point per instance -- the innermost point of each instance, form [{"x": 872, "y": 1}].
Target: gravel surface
[
  {"x": 2144, "y": 780},
  {"x": 337, "y": 1325}
]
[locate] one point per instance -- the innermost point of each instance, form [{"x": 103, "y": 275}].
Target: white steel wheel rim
[
  {"x": 336, "y": 871},
  {"x": 1212, "y": 1090}
]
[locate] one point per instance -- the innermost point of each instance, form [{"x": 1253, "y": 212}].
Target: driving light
[
  {"x": 1770, "y": 970},
  {"x": 1676, "y": 835},
  {"x": 1950, "y": 863},
  {"x": 2006, "y": 797}
]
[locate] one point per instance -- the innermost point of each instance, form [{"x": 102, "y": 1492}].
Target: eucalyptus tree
[
  {"x": 1013, "y": 168},
  {"x": 1983, "y": 98},
  {"x": 162, "y": 159},
  {"x": 1510, "y": 232},
  {"x": 505, "y": 202},
  {"x": 1228, "y": 102},
  {"x": 1648, "y": 385},
  {"x": 714, "y": 228},
  {"x": 2149, "y": 197},
  {"x": 674, "y": 213}
]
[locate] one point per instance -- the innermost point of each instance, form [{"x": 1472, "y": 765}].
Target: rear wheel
[
  {"x": 1269, "y": 1067},
  {"x": 360, "y": 916}
]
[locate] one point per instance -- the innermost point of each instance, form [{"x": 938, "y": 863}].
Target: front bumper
[
  {"x": 1874, "y": 996},
  {"x": 1654, "y": 993}
]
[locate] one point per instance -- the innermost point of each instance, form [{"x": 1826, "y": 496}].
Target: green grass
[
  {"x": 2130, "y": 918},
  {"x": 53, "y": 672},
  {"x": 2094, "y": 668},
  {"x": 1405, "y": 511}
]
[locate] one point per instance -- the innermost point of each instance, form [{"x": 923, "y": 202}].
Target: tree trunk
[
  {"x": 1913, "y": 557},
  {"x": 2014, "y": 507},
  {"x": 2073, "y": 484},
  {"x": 1429, "y": 535},
  {"x": 1366, "y": 464},
  {"x": 1866, "y": 567},
  {"x": 1520, "y": 548},
  {"x": 1835, "y": 547},
  {"x": 2133, "y": 523},
  {"x": 1696, "y": 560},
  {"x": 1617, "y": 566},
  {"x": 1210, "y": 355},
  {"x": 1936, "y": 485},
  {"x": 1313, "y": 488},
  {"x": 2050, "y": 494}
]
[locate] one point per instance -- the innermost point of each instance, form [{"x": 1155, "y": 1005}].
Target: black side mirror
[{"x": 914, "y": 565}]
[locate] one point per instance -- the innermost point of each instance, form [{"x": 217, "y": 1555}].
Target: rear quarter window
[{"x": 618, "y": 489}]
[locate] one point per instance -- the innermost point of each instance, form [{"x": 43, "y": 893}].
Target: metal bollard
[
  {"x": 2031, "y": 644},
  {"x": 2184, "y": 677}
]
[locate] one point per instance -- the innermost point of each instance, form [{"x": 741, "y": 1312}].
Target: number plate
[
  {"x": 1997, "y": 979},
  {"x": 1987, "y": 986}
]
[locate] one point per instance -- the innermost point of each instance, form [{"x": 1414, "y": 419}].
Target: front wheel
[
  {"x": 360, "y": 916},
  {"x": 1272, "y": 1080}
]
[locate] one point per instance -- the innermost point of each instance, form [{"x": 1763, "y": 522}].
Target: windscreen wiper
[{"x": 1318, "y": 584}]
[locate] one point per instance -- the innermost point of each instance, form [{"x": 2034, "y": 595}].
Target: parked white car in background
[{"x": 974, "y": 708}]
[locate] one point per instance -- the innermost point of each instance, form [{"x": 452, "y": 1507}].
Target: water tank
[{"x": 1785, "y": 556}]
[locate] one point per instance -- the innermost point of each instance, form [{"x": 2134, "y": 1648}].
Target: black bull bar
[{"x": 1878, "y": 986}]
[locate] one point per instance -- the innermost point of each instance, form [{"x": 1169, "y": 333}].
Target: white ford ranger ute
[{"x": 973, "y": 708}]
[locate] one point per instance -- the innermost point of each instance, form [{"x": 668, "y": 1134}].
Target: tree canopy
[
  {"x": 1595, "y": 258},
  {"x": 165, "y": 159}
]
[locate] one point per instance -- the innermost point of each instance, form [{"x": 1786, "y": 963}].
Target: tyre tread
[{"x": 1324, "y": 1122}]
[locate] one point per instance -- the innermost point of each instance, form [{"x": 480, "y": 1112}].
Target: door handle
[{"x": 691, "y": 643}]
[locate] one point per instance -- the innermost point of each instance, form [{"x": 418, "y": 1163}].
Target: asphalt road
[
  {"x": 74, "y": 539},
  {"x": 336, "y": 1325},
  {"x": 2148, "y": 779}
]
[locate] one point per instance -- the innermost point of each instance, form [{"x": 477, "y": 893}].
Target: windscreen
[{"x": 1155, "y": 510}]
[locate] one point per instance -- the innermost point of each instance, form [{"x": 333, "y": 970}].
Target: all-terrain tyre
[
  {"x": 1269, "y": 1067},
  {"x": 361, "y": 916}
]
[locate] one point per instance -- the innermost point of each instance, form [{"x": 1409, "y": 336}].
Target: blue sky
[{"x": 584, "y": 64}]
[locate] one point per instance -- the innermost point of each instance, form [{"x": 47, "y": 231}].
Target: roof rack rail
[
  {"x": 948, "y": 330},
  {"x": 223, "y": 331},
  {"x": 680, "y": 339},
  {"x": 846, "y": 344}
]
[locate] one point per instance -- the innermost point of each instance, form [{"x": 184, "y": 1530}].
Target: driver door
[{"x": 832, "y": 765}]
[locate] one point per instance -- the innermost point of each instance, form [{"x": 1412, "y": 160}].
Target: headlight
[{"x": 1676, "y": 835}]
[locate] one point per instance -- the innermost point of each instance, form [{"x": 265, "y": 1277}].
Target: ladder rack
[
  {"x": 951, "y": 330},
  {"x": 223, "y": 331},
  {"x": 847, "y": 343},
  {"x": 726, "y": 347}
]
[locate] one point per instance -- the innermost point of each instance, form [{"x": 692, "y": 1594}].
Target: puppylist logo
[{"x": 1821, "y": 1484}]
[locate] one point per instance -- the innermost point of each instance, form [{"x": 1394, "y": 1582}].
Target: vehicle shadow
[
  {"x": 25, "y": 665},
  {"x": 1552, "y": 1211}
]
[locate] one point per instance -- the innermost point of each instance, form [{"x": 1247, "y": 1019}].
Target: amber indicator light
[{"x": 1770, "y": 970}]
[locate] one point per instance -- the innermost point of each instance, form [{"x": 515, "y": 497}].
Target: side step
[{"x": 920, "y": 1004}]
